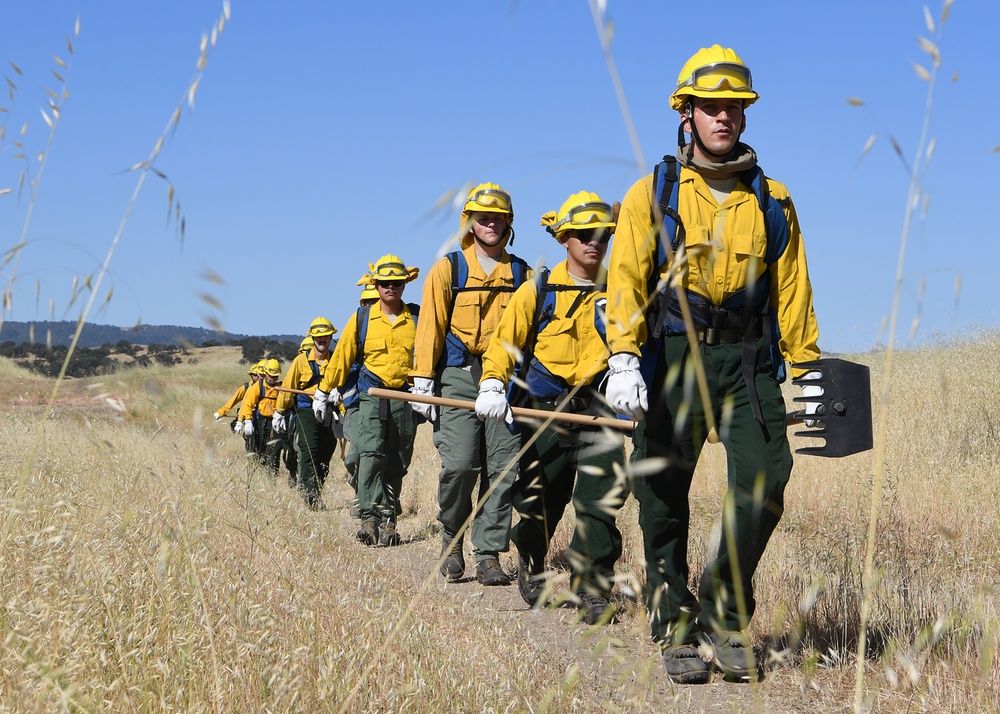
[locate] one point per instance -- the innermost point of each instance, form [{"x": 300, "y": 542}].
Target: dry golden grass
[{"x": 149, "y": 568}]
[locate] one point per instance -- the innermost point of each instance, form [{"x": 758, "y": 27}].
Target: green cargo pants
[
  {"x": 316, "y": 446},
  {"x": 549, "y": 468},
  {"x": 270, "y": 443},
  {"x": 473, "y": 453},
  {"x": 353, "y": 455},
  {"x": 758, "y": 471},
  {"x": 289, "y": 455},
  {"x": 385, "y": 432}
]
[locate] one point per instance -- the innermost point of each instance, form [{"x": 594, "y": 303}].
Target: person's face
[
  {"x": 273, "y": 380},
  {"x": 390, "y": 292},
  {"x": 719, "y": 123},
  {"x": 489, "y": 227},
  {"x": 322, "y": 343},
  {"x": 585, "y": 250}
]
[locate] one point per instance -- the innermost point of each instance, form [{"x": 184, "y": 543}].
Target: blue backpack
[
  {"x": 455, "y": 353},
  {"x": 541, "y": 383},
  {"x": 358, "y": 378},
  {"x": 304, "y": 401},
  {"x": 752, "y": 301}
]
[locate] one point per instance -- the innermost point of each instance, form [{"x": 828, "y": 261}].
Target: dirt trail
[{"x": 617, "y": 659}]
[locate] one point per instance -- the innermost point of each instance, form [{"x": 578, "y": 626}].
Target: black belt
[
  {"x": 712, "y": 336},
  {"x": 576, "y": 405}
]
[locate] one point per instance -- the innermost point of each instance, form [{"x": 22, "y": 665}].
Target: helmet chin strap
[
  {"x": 487, "y": 245},
  {"x": 689, "y": 114}
]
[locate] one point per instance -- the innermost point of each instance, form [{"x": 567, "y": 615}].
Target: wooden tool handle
[{"x": 540, "y": 414}]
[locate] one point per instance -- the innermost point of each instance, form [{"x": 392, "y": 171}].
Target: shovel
[{"x": 845, "y": 408}]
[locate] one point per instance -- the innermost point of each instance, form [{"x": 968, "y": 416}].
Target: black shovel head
[{"x": 845, "y": 408}]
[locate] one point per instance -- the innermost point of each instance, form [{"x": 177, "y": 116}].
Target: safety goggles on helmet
[
  {"x": 390, "y": 272},
  {"x": 711, "y": 77},
  {"x": 585, "y": 214},
  {"x": 321, "y": 328},
  {"x": 491, "y": 198}
]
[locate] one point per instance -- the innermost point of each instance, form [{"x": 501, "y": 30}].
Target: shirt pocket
[
  {"x": 466, "y": 316},
  {"x": 747, "y": 251},
  {"x": 376, "y": 347},
  {"x": 556, "y": 346},
  {"x": 699, "y": 257}
]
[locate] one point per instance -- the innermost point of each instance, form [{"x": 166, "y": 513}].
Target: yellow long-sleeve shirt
[
  {"x": 388, "y": 349},
  {"x": 264, "y": 404},
  {"x": 475, "y": 316},
  {"x": 570, "y": 347},
  {"x": 299, "y": 376},
  {"x": 234, "y": 400},
  {"x": 725, "y": 244}
]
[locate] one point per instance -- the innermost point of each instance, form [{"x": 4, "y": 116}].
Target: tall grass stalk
[
  {"x": 52, "y": 120},
  {"x": 143, "y": 168},
  {"x": 605, "y": 31},
  {"x": 917, "y": 174}
]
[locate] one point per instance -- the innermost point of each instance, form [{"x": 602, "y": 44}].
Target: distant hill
[{"x": 96, "y": 335}]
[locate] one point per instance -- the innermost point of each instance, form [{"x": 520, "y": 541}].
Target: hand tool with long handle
[{"x": 518, "y": 412}]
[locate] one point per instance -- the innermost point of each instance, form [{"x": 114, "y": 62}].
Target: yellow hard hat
[
  {"x": 271, "y": 368},
  {"x": 582, "y": 211},
  {"x": 306, "y": 344},
  {"x": 486, "y": 198},
  {"x": 255, "y": 369},
  {"x": 369, "y": 292},
  {"x": 714, "y": 71},
  {"x": 321, "y": 327},
  {"x": 489, "y": 198},
  {"x": 390, "y": 268}
]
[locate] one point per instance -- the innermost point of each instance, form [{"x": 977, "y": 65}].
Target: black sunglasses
[{"x": 587, "y": 236}]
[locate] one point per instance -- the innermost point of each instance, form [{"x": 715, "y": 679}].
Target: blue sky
[{"x": 324, "y": 135}]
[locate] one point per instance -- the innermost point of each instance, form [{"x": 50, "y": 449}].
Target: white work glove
[
  {"x": 321, "y": 405},
  {"x": 248, "y": 428},
  {"x": 425, "y": 388},
  {"x": 217, "y": 416},
  {"x": 492, "y": 402},
  {"x": 279, "y": 424},
  {"x": 334, "y": 398},
  {"x": 238, "y": 429},
  {"x": 811, "y": 390},
  {"x": 626, "y": 391}
]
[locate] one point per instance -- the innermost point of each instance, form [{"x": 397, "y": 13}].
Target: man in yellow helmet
[
  {"x": 384, "y": 429},
  {"x": 464, "y": 295},
  {"x": 237, "y": 397},
  {"x": 708, "y": 266},
  {"x": 238, "y": 427},
  {"x": 289, "y": 447},
  {"x": 314, "y": 439},
  {"x": 557, "y": 324},
  {"x": 369, "y": 296},
  {"x": 256, "y": 414}
]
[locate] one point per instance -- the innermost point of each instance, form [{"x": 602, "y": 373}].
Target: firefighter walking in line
[
  {"x": 557, "y": 324},
  {"x": 315, "y": 440},
  {"x": 349, "y": 402},
  {"x": 464, "y": 295},
  {"x": 257, "y": 412},
  {"x": 709, "y": 243},
  {"x": 382, "y": 346},
  {"x": 238, "y": 395},
  {"x": 289, "y": 448},
  {"x": 238, "y": 427}
]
